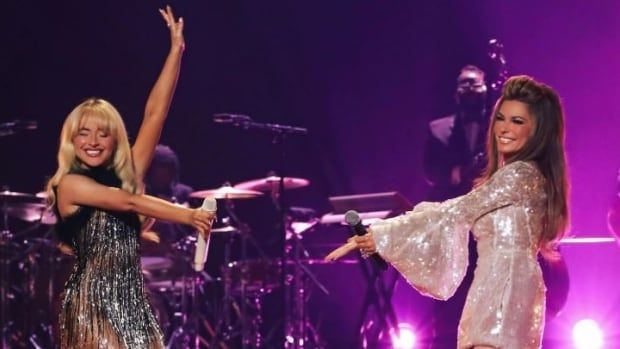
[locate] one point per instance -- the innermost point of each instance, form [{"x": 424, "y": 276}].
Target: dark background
[{"x": 364, "y": 77}]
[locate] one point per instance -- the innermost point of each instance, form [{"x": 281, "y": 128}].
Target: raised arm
[{"x": 159, "y": 99}]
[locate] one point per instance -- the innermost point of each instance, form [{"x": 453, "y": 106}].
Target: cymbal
[
  {"x": 272, "y": 182},
  {"x": 27, "y": 207},
  {"x": 226, "y": 192},
  {"x": 7, "y": 195},
  {"x": 32, "y": 212}
]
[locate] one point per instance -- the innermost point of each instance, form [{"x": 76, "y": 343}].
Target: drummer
[{"x": 162, "y": 180}]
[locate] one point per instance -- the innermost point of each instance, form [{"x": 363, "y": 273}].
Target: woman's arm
[
  {"x": 160, "y": 97},
  {"x": 76, "y": 190}
]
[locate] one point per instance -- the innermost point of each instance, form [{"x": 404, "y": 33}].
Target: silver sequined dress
[
  {"x": 104, "y": 304},
  {"x": 428, "y": 246}
]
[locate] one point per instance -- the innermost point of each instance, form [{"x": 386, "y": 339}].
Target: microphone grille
[
  {"x": 209, "y": 204},
  {"x": 352, "y": 217}
]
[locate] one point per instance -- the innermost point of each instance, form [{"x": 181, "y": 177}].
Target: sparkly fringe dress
[
  {"x": 506, "y": 302},
  {"x": 104, "y": 304}
]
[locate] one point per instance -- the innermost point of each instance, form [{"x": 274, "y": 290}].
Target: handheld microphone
[
  {"x": 352, "y": 218},
  {"x": 202, "y": 245}
]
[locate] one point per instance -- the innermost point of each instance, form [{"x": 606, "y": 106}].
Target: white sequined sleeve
[{"x": 428, "y": 245}]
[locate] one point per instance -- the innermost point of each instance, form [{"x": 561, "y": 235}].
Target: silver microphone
[{"x": 202, "y": 245}]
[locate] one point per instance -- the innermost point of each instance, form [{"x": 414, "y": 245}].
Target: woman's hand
[
  {"x": 176, "y": 28},
  {"x": 365, "y": 243},
  {"x": 202, "y": 221}
]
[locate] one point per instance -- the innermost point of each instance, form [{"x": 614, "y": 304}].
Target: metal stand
[
  {"x": 374, "y": 329},
  {"x": 5, "y": 240},
  {"x": 299, "y": 332},
  {"x": 239, "y": 315},
  {"x": 295, "y": 317},
  {"x": 189, "y": 310}
]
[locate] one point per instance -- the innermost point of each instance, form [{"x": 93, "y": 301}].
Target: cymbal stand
[
  {"x": 5, "y": 239},
  {"x": 41, "y": 335},
  {"x": 299, "y": 332},
  {"x": 187, "y": 335},
  {"x": 280, "y": 134},
  {"x": 238, "y": 318}
]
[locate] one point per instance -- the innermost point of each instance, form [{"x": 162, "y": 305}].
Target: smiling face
[
  {"x": 93, "y": 143},
  {"x": 512, "y": 128}
]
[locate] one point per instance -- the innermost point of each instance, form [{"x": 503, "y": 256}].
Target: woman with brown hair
[{"x": 517, "y": 210}]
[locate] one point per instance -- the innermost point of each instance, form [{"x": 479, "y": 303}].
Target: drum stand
[
  {"x": 5, "y": 324},
  {"x": 237, "y": 318},
  {"x": 299, "y": 333},
  {"x": 188, "y": 309},
  {"x": 5, "y": 239}
]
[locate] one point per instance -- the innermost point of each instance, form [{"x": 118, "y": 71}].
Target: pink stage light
[
  {"x": 587, "y": 335},
  {"x": 404, "y": 337}
]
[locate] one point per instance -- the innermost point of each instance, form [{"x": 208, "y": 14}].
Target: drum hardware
[
  {"x": 7, "y": 244},
  {"x": 240, "y": 312},
  {"x": 231, "y": 318},
  {"x": 299, "y": 332},
  {"x": 280, "y": 134},
  {"x": 23, "y": 259}
]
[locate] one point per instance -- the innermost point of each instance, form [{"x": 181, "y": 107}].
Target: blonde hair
[{"x": 110, "y": 120}]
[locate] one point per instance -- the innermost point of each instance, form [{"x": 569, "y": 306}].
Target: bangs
[{"x": 104, "y": 121}]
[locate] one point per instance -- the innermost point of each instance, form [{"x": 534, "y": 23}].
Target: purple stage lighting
[
  {"x": 404, "y": 337},
  {"x": 587, "y": 335}
]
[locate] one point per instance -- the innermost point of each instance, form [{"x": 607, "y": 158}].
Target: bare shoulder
[
  {"x": 71, "y": 182},
  {"x": 68, "y": 189}
]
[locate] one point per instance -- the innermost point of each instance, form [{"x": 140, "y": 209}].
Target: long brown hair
[{"x": 545, "y": 147}]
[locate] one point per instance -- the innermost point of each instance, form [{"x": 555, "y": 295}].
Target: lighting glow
[
  {"x": 404, "y": 337},
  {"x": 587, "y": 335}
]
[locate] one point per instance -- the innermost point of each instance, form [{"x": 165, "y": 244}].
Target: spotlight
[
  {"x": 404, "y": 337},
  {"x": 587, "y": 335}
]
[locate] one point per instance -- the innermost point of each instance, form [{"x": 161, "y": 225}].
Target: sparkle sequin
[
  {"x": 428, "y": 246},
  {"x": 104, "y": 304}
]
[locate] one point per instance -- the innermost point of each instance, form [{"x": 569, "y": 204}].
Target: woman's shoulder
[
  {"x": 523, "y": 176},
  {"x": 520, "y": 168},
  {"x": 73, "y": 181}
]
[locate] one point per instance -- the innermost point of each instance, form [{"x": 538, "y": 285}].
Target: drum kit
[
  {"x": 217, "y": 310},
  {"x": 33, "y": 271},
  {"x": 224, "y": 309}
]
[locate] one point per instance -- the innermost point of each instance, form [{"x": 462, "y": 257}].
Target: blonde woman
[{"x": 97, "y": 194}]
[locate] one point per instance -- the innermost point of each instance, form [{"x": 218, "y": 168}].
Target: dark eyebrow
[{"x": 512, "y": 117}]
